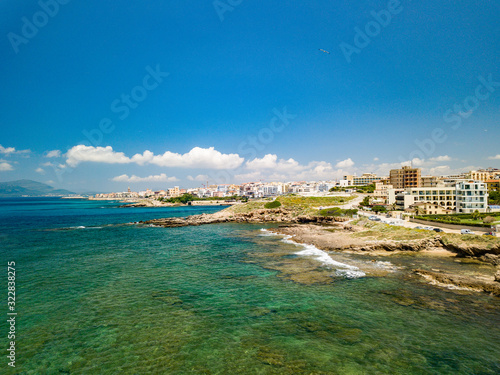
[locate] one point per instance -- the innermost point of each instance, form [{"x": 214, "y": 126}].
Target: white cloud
[
  {"x": 196, "y": 158},
  {"x": 417, "y": 162},
  {"x": 53, "y": 154},
  {"x": 441, "y": 158},
  {"x": 381, "y": 169},
  {"x": 40, "y": 170},
  {"x": 12, "y": 150},
  {"x": 4, "y": 167},
  {"x": 270, "y": 161},
  {"x": 496, "y": 157},
  {"x": 347, "y": 163},
  {"x": 200, "y": 177},
  {"x": 153, "y": 178},
  {"x": 270, "y": 168},
  {"x": 82, "y": 153},
  {"x": 375, "y": 159},
  {"x": 440, "y": 170}
]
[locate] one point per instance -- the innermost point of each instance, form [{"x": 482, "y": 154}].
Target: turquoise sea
[{"x": 97, "y": 295}]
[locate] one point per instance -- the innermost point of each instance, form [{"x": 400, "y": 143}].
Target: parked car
[
  {"x": 466, "y": 231},
  {"x": 372, "y": 217},
  {"x": 419, "y": 227},
  {"x": 428, "y": 228},
  {"x": 489, "y": 234},
  {"x": 438, "y": 230}
]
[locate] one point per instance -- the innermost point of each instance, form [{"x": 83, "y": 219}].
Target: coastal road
[
  {"x": 404, "y": 223},
  {"x": 351, "y": 204}
]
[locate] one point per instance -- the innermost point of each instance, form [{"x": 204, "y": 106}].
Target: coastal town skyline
[{"x": 337, "y": 91}]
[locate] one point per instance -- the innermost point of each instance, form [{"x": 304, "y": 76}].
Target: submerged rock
[{"x": 465, "y": 282}]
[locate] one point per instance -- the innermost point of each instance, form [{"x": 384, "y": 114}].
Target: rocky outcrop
[
  {"x": 460, "y": 281},
  {"x": 473, "y": 250},
  {"x": 279, "y": 215},
  {"x": 491, "y": 258},
  {"x": 413, "y": 245}
]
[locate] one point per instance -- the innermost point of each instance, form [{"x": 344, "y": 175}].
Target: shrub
[
  {"x": 379, "y": 209},
  {"x": 273, "y": 204},
  {"x": 335, "y": 211},
  {"x": 488, "y": 219}
]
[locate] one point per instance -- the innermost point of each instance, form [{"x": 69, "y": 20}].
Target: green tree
[
  {"x": 494, "y": 197},
  {"x": 273, "y": 204},
  {"x": 379, "y": 209},
  {"x": 365, "y": 202},
  {"x": 476, "y": 215}
]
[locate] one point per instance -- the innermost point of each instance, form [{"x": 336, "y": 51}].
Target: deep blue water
[{"x": 98, "y": 295}]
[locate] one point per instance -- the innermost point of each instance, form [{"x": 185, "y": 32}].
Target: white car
[{"x": 466, "y": 231}]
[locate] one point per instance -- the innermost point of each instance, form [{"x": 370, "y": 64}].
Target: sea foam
[{"x": 341, "y": 269}]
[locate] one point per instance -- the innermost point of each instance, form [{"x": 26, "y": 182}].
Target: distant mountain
[{"x": 28, "y": 187}]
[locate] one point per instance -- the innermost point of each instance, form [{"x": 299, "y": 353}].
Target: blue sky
[{"x": 230, "y": 93}]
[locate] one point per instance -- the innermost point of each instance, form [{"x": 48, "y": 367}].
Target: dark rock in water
[
  {"x": 350, "y": 335},
  {"x": 491, "y": 258},
  {"x": 269, "y": 357},
  {"x": 257, "y": 312},
  {"x": 461, "y": 281},
  {"x": 170, "y": 297}
]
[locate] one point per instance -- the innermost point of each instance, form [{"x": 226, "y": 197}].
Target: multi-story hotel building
[
  {"x": 471, "y": 196},
  {"x": 464, "y": 196},
  {"x": 493, "y": 185},
  {"x": 484, "y": 174},
  {"x": 405, "y": 177},
  {"x": 363, "y": 180}
]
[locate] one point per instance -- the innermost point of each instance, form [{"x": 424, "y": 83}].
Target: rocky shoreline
[
  {"x": 340, "y": 235},
  {"x": 339, "y": 239},
  {"x": 260, "y": 216}
]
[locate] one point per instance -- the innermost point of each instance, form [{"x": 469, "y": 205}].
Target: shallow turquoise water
[{"x": 130, "y": 299}]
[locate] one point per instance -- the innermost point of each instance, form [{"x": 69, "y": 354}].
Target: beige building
[
  {"x": 428, "y": 181},
  {"x": 363, "y": 180},
  {"x": 381, "y": 190},
  {"x": 493, "y": 185},
  {"x": 405, "y": 177},
  {"x": 443, "y": 195},
  {"x": 173, "y": 192},
  {"x": 463, "y": 196},
  {"x": 428, "y": 208},
  {"x": 484, "y": 174}
]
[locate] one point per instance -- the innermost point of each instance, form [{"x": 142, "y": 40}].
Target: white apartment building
[
  {"x": 471, "y": 196},
  {"x": 272, "y": 190},
  {"x": 363, "y": 180},
  {"x": 324, "y": 187},
  {"x": 461, "y": 196}
]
